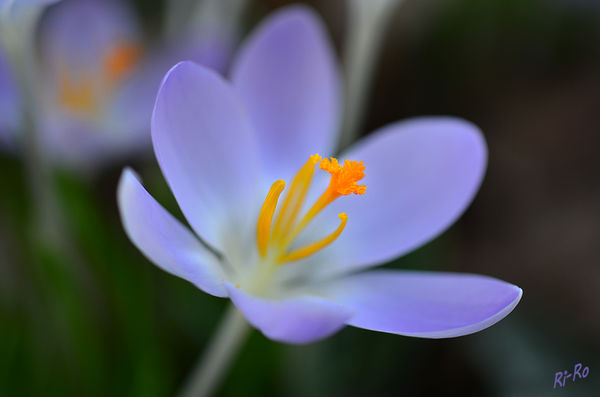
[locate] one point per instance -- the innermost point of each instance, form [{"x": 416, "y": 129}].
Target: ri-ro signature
[{"x": 579, "y": 372}]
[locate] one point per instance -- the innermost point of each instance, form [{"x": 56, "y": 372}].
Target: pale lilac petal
[
  {"x": 205, "y": 149},
  {"x": 287, "y": 77},
  {"x": 300, "y": 319},
  {"x": 421, "y": 174},
  {"x": 9, "y": 103},
  {"x": 425, "y": 304},
  {"x": 165, "y": 241},
  {"x": 77, "y": 144}
]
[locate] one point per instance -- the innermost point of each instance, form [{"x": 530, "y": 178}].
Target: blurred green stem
[
  {"x": 217, "y": 359},
  {"x": 366, "y": 23}
]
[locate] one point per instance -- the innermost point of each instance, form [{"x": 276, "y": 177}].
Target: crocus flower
[
  {"x": 98, "y": 80},
  {"x": 297, "y": 233},
  {"x": 91, "y": 57}
]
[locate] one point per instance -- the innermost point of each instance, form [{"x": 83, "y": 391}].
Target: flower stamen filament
[
  {"x": 295, "y": 198},
  {"x": 311, "y": 248},
  {"x": 286, "y": 227},
  {"x": 263, "y": 226}
]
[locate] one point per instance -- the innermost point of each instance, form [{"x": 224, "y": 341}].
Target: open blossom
[{"x": 298, "y": 231}]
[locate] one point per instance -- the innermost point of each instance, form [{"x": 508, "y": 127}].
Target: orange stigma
[
  {"x": 120, "y": 60},
  {"x": 343, "y": 179},
  {"x": 286, "y": 224}
]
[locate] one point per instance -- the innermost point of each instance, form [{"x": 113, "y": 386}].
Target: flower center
[
  {"x": 273, "y": 238},
  {"x": 83, "y": 92}
]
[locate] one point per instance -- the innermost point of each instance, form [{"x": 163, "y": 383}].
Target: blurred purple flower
[
  {"x": 92, "y": 57},
  {"x": 98, "y": 80},
  {"x": 221, "y": 145}
]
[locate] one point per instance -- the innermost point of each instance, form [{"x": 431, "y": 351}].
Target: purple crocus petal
[
  {"x": 298, "y": 320},
  {"x": 9, "y": 103},
  {"x": 421, "y": 174},
  {"x": 164, "y": 241},
  {"x": 206, "y": 151},
  {"x": 425, "y": 304},
  {"x": 287, "y": 76}
]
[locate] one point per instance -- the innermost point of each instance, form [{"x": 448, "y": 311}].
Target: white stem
[
  {"x": 217, "y": 359},
  {"x": 366, "y": 23}
]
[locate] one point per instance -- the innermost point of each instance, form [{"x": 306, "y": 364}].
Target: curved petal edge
[
  {"x": 296, "y": 320},
  {"x": 287, "y": 76},
  {"x": 164, "y": 240},
  {"x": 424, "y": 304},
  {"x": 421, "y": 175}
]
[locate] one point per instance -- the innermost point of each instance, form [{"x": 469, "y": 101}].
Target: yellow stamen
[
  {"x": 263, "y": 226},
  {"x": 310, "y": 249},
  {"x": 120, "y": 60},
  {"x": 76, "y": 94},
  {"x": 286, "y": 227},
  {"x": 295, "y": 198}
]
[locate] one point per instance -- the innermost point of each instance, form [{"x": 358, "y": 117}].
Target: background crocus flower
[
  {"x": 98, "y": 78},
  {"x": 228, "y": 150},
  {"x": 92, "y": 52}
]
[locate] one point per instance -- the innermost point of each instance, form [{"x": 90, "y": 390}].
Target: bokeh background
[{"x": 109, "y": 323}]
